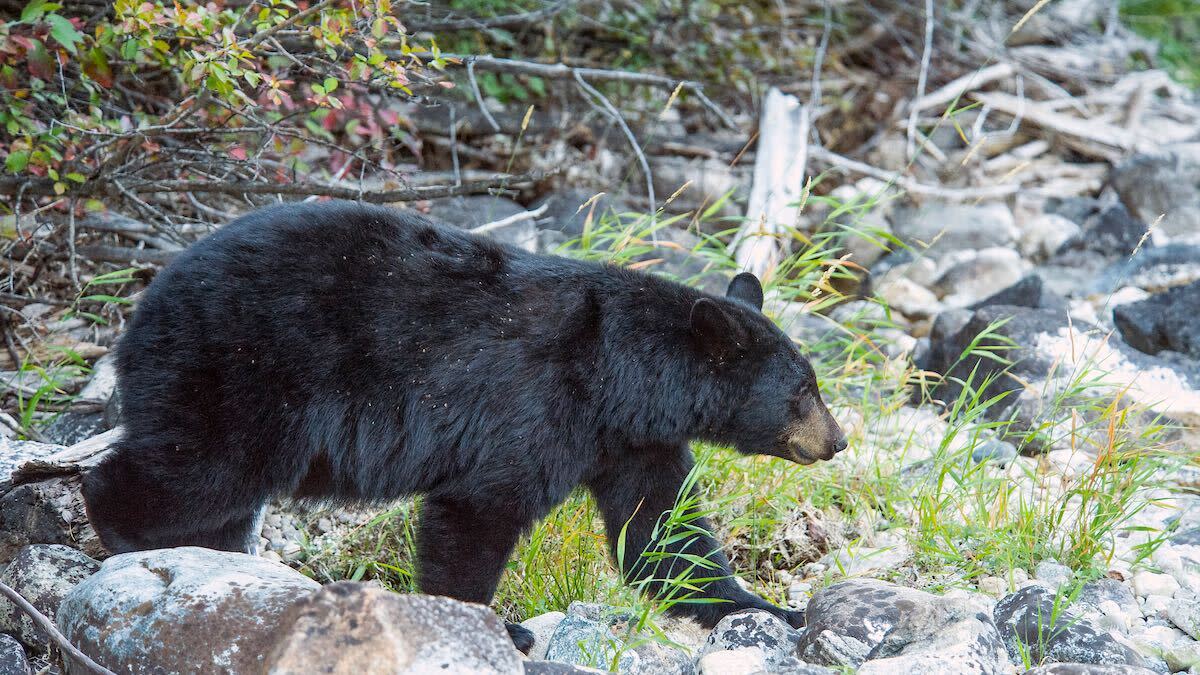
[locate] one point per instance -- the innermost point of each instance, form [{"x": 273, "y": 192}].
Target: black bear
[{"x": 349, "y": 353}]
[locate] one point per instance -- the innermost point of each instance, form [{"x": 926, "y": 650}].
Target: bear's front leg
[
  {"x": 462, "y": 550},
  {"x": 633, "y": 494}
]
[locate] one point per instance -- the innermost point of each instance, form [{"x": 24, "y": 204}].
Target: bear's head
[{"x": 780, "y": 412}]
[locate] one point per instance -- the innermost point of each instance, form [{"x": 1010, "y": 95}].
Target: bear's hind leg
[{"x": 462, "y": 551}]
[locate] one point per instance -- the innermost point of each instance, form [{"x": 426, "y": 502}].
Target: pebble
[
  {"x": 993, "y": 586},
  {"x": 1053, "y": 573},
  {"x": 1146, "y": 584},
  {"x": 1155, "y": 606},
  {"x": 996, "y": 451}
]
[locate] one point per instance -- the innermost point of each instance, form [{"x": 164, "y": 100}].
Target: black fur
[{"x": 348, "y": 353}]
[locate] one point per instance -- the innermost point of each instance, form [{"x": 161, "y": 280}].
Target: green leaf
[
  {"x": 77, "y": 177},
  {"x": 62, "y": 30},
  {"x": 34, "y": 11},
  {"x": 17, "y": 161},
  {"x": 330, "y": 85}
]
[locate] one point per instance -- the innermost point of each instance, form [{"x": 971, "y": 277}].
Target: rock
[
  {"x": 1185, "y": 613},
  {"x": 978, "y": 277},
  {"x": 1166, "y": 184},
  {"x": 1046, "y": 234},
  {"x": 12, "y": 657},
  {"x": 1182, "y": 655},
  {"x": 1169, "y": 320},
  {"x": 993, "y": 586},
  {"x": 554, "y": 668},
  {"x": 773, "y": 637},
  {"x": 592, "y": 635},
  {"x": 1088, "y": 669},
  {"x": 356, "y": 628},
  {"x": 910, "y": 299},
  {"x": 472, "y": 211},
  {"x": 1149, "y": 583},
  {"x": 181, "y": 610},
  {"x": 1029, "y": 291},
  {"x": 995, "y": 451},
  {"x": 1053, "y": 574},
  {"x": 542, "y": 626},
  {"x": 888, "y": 626},
  {"x": 1032, "y": 622},
  {"x": 740, "y": 661},
  {"x": 1153, "y": 269},
  {"x": 563, "y": 212},
  {"x": 1096, "y": 593},
  {"x": 956, "y": 227},
  {"x": 13, "y": 454},
  {"x": 711, "y": 180},
  {"x": 858, "y": 560},
  {"x": 46, "y": 512},
  {"x": 43, "y": 574},
  {"x": 1046, "y": 351}
]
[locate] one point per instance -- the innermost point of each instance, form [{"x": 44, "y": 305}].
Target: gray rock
[
  {"x": 753, "y": 628},
  {"x": 592, "y": 635},
  {"x": 1053, "y": 574},
  {"x": 181, "y": 610},
  {"x": 350, "y": 627},
  {"x": 1168, "y": 320},
  {"x": 1185, "y": 613},
  {"x": 1089, "y": 669},
  {"x": 542, "y": 627},
  {"x": 46, "y": 512},
  {"x": 43, "y": 574},
  {"x": 473, "y": 211},
  {"x": 1033, "y": 623},
  {"x": 1153, "y": 269},
  {"x": 880, "y": 626},
  {"x": 978, "y": 276},
  {"x": 1093, "y": 593},
  {"x": 555, "y": 668},
  {"x": 13, "y": 454},
  {"x": 1029, "y": 291},
  {"x": 956, "y": 227},
  {"x": 995, "y": 451},
  {"x": 12, "y": 657},
  {"x": 1166, "y": 184}
]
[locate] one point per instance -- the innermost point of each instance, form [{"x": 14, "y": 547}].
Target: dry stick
[
  {"x": 97, "y": 186},
  {"x": 487, "y": 114},
  {"x": 561, "y": 71},
  {"x": 922, "y": 78},
  {"x": 48, "y": 627},
  {"x": 291, "y": 20},
  {"x": 955, "y": 89},
  {"x": 637, "y": 149},
  {"x": 907, "y": 184},
  {"x": 514, "y": 218}
]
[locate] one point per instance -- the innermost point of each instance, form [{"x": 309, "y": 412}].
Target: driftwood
[
  {"x": 72, "y": 460},
  {"x": 778, "y": 186}
]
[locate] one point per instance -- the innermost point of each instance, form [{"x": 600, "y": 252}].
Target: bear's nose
[{"x": 840, "y": 444}]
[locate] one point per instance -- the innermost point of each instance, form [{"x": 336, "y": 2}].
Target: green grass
[{"x": 1175, "y": 25}]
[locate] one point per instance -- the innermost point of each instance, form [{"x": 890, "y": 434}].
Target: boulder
[
  {"x": 1037, "y": 625},
  {"x": 1105, "y": 227},
  {"x": 1184, "y": 611},
  {"x": 1169, "y": 320},
  {"x": 956, "y": 227},
  {"x": 13, "y": 454},
  {"x": 1028, "y": 291},
  {"x": 1164, "y": 184},
  {"x": 1089, "y": 669},
  {"x": 43, "y": 574},
  {"x": 881, "y": 628},
  {"x": 181, "y": 610},
  {"x": 555, "y": 668},
  {"x": 542, "y": 627},
  {"x": 360, "y": 629},
  {"x": 1046, "y": 234},
  {"x": 1153, "y": 270},
  {"x": 45, "y": 512},
  {"x": 978, "y": 276},
  {"x": 597, "y": 636},
  {"x": 564, "y": 213},
  {"x": 774, "y": 639},
  {"x": 12, "y": 657}
]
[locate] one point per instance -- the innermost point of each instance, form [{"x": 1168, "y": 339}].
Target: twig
[
  {"x": 907, "y": 184},
  {"x": 121, "y": 254},
  {"x": 514, "y": 218},
  {"x": 922, "y": 78},
  {"x": 506, "y": 21},
  {"x": 637, "y": 149},
  {"x": 487, "y": 114},
  {"x": 561, "y": 71},
  {"x": 72, "y": 264},
  {"x": 39, "y": 186},
  {"x": 955, "y": 89},
  {"x": 290, "y": 21},
  {"x": 49, "y": 628}
]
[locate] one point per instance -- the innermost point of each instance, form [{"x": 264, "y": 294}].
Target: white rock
[
  {"x": 743, "y": 661},
  {"x": 910, "y": 299},
  {"x": 1182, "y": 655},
  {"x": 1045, "y": 234},
  {"x": 993, "y": 586},
  {"x": 1124, "y": 296},
  {"x": 542, "y": 626},
  {"x": 991, "y": 270},
  {"x": 1155, "y": 606},
  {"x": 1146, "y": 584},
  {"x": 1185, "y": 613}
]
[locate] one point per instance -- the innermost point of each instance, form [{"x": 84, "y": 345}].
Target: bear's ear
[
  {"x": 717, "y": 331},
  {"x": 746, "y": 288}
]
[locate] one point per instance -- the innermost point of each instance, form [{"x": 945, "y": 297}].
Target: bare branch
[{"x": 48, "y": 627}]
